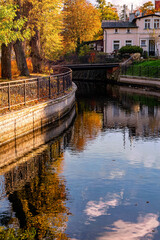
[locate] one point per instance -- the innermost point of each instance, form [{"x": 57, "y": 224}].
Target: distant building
[{"x": 140, "y": 30}]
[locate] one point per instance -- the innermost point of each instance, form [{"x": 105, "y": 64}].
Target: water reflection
[
  {"x": 99, "y": 180},
  {"x": 145, "y": 227},
  {"x": 33, "y": 192}
]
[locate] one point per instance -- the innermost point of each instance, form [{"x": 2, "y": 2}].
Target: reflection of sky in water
[
  {"x": 114, "y": 188},
  {"x": 5, "y": 205}
]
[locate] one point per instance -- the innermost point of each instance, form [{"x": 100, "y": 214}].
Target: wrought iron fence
[
  {"x": 22, "y": 92},
  {"x": 142, "y": 71}
]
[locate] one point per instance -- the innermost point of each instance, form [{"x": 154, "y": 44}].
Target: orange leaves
[
  {"x": 15, "y": 71},
  {"x": 81, "y": 21},
  {"x": 87, "y": 126}
]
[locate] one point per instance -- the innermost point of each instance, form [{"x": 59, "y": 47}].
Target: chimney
[
  {"x": 132, "y": 8},
  {"x": 131, "y": 17}
]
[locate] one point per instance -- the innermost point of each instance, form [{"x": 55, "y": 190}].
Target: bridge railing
[{"x": 22, "y": 92}]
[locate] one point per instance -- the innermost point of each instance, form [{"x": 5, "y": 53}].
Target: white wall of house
[
  {"x": 140, "y": 36},
  {"x": 122, "y": 36}
]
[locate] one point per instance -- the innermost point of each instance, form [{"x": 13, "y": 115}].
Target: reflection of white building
[
  {"x": 142, "y": 121},
  {"x": 143, "y": 31}
]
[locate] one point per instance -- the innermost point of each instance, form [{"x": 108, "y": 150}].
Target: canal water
[{"x": 98, "y": 180}]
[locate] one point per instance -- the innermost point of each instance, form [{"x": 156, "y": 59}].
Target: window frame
[
  {"x": 156, "y": 22},
  {"x": 128, "y": 30},
  {"x": 145, "y": 45},
  {"x": 113, "y": 44},
  {"x": 116, "y": 30},
  {"x": 130, "y": 41},
  {"x": 147, "y": 24}
]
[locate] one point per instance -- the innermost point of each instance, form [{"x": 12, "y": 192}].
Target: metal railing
[
  {"x": 141, "y": 71},
  {"x": 22, "y": 92}
]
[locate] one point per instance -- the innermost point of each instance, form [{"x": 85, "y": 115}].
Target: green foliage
[
  {"x": 145, "y": 55},
  {"x": 143, "y": 69},
  {"x": 12, "y": 234},
  {"x": 84, "y": 50},
  {"x": 107, "y": 11},
  {"x": 149, "y": 63},
  {"x": 130, "y": 49},
  {"x": 11, "y": 29}
]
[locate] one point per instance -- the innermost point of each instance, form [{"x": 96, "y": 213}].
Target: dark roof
[
  {"x": 149, "y": 15},
  {"x": 118, "y": 24}
]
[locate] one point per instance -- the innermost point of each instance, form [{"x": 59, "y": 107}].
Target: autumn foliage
[
  {"x": 81, "y": 22},
  {"x": 14, "y": 68}
]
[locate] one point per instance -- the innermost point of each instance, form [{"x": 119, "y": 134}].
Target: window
[
  {"x": 116, "y": 44},
  {"x": 115, "y": 30},
  {"x": 143, "y": 43},
  {"x": 128, "y": 42},
  {"x": 156, "y": 23},
  {"x": 128, "y": 30},
  {"x": 147, "y": 23}
]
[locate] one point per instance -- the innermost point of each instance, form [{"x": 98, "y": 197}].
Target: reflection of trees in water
[
  {"x": 40, "y": 204},
  {"x": 86, "y": 128}
]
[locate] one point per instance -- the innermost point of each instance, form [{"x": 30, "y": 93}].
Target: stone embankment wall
[
  {"x": 20, "y": 150},
  {"x": 18, "y": 123},
  {"x": 140, "y": 81}
]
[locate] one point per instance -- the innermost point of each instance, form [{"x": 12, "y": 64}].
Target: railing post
[
  {"x": 9, "y": 96},
  {"x": 38, "y": 88},
  {"x": 70, "y": 79},
  {"x": 63, "y": 85},
  {"x": 24, "y": 92},
  {"x": 157, "y": 72},
  {"x": 148, "y": 71},
  {"x": 139, "y": 70},
  {"x": 58, "y": 85},
  {"x": 49, "y": 87},
  {"x": 132, "y": 70}
]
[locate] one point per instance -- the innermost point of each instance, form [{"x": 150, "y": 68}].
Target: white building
[{"x": 143, "y": 31}]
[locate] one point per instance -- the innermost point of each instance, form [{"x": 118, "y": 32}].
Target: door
[{"x": 152, "y": 47}]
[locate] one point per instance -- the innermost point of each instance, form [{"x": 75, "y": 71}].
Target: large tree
[
  {"x": 10, "y": 30},
  {"x": 81, "y": 22},
  {"x": 107, "y": 11},
  {"x": 44, "y": 19},
  {"x": 147, "y": 8}
]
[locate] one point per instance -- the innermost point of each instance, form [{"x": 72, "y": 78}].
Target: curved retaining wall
[
  {"x": 24, "y": 121},
  {"x": 141, "y": 81}
]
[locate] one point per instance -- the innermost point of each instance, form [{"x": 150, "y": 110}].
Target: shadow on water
[{"x": 32, "y": 190}]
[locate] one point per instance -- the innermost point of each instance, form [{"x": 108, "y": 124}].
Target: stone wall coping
[
  {"x": 140, "y": 78},
  {"x": 8, "y": 116}
]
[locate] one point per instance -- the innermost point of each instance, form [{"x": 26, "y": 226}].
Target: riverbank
[
  {"x": 18, "y": 123},
  {"x": 139, "y": 81}
]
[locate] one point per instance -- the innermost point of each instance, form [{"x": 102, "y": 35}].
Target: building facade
[{"x": 143, "y": 31}]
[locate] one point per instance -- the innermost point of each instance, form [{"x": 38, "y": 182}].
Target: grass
[
  {"x": 149, "y": 63},
  {"x": 149, "y": 68}
]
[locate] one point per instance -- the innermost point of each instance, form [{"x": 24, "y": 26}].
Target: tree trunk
[
  {"x": 35, "y": 52},
  {"x": 6, "y": 61},
  {"x": 18, "y": 48},
  {"x": 20, "y": 58}
]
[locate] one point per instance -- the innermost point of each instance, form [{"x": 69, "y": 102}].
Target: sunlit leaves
[
  {"x": 7, "y": 24},
  {"x": 107, "y": 11},
  {"x": 81, "y": 22}
]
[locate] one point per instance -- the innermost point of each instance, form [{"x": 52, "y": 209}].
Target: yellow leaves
[
  {"x": 81, "y": 21},
  {"x": 87, "y": 127}
]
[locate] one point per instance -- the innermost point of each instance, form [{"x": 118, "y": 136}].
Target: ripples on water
[{"x": 100, "y": 179}]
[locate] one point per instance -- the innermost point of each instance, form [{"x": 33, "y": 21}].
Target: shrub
[
  {"x": 84, "y": 50},
  {"x": 130, "y": 49},
  {"x": 145, "y": 55}
]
